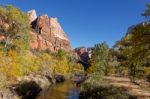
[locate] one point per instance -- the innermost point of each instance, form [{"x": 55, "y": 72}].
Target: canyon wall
[{"x": 47, "y": 33}]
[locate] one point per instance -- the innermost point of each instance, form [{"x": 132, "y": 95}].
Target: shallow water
[{"x": 66, "y": 90}]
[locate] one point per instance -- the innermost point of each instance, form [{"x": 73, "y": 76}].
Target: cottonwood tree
[
  {"x": 99, "y": 58},
  {"x": 135, "y": 48}
]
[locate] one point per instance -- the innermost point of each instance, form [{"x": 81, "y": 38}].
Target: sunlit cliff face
[{"x": 48, "y": 33}]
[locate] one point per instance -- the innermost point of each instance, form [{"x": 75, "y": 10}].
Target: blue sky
[{"x": 87, "y": 22}]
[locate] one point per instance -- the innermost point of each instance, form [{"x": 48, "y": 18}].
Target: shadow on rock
[{"x": 28, "y": 90}]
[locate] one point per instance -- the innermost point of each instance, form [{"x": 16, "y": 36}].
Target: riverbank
[
  {"x": 29, "y": 86},
  {"x": 110, "y": 87},
  {"x": 69, "y": 89},
  {"x": 43, "y": 86},
  {"x": 65, "y": 90},
  {"x": 97, "y": 88}
]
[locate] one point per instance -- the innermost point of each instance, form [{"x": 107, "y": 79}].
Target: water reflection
[
  {"x": 66, "y": 90},
  {"x": 73, "y": 92}
]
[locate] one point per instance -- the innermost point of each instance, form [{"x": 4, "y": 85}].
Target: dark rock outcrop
[
  {"x": 30, "y": 86},
  {"x": 28, "y": 90},
  {"x": 84, "y": 55}
]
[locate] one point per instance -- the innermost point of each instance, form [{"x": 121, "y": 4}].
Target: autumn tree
[{"x": 62, "y": 65}]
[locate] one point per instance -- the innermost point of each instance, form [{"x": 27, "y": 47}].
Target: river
[{"x": 65, "y": 90}]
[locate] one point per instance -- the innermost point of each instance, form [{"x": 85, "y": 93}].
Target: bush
[
  {"x": 104, "y": 92},
  {"x": 95, "y": 88}
]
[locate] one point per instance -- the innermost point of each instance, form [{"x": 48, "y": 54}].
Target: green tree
[
  {"x": 140, "y": 50},
  {"x": 135, "y": 50},
  {"x": 147, "y": 11},
  {"x": 99, "y": 58},
  {"x": 60, "y": 54}
]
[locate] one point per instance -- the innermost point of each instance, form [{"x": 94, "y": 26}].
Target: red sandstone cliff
[
  {"x": 47, "y": 33},
  {"x": 83, "y": 53}
]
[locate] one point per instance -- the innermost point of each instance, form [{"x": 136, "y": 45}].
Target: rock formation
[
  {"x": 84, "y": 53},
  {"x": 32, "y": 15},
  {"x": 47, "y": 33}
]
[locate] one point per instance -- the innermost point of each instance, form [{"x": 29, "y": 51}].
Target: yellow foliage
[
  {"x": 14, "y": 65},
  {"x": 9, "y": 67},
  {"x": 61, "y": 66},
  {"x": 91, "y": 69},
  {"x": 77, "y": 68},
  {"x": 147, "y": 70},
  {"x": 42, "y": 61},
  {"x": 13, "y": 71}
]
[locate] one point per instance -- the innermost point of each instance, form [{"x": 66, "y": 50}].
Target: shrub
[
  {"x": 148, "y": 77},
  {"x": 103, "y": 91}
]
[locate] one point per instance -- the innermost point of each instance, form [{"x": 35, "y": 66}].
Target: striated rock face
[{"x": 48, "y": 34}]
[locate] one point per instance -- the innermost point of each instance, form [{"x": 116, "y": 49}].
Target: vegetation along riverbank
[{"x": 38, "y": 62}]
